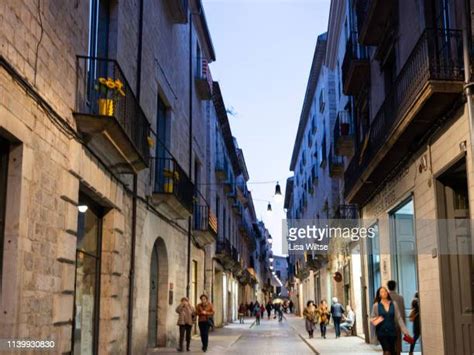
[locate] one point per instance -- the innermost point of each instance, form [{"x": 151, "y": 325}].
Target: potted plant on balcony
[
  {"x": 170, "y": 178},
  {"x": 109, "y": 91}
]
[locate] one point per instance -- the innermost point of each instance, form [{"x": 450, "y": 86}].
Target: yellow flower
[
  {"x": 151, "y": 142},
  {"x": 102, "y": 81},
  {"x": 110, "y": 83}
]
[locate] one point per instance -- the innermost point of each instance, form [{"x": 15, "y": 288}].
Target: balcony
[
  {"x": 204, "y": 222},
  {"x": 349, "y": 212},
  {"x": 173, "y": 191},
  {"x": 109, "y": 117},
  {"x": 224, "y": 253},
  {"x": 242, "y": 193},
  {"x": 355, "y": 66},
  {"x": 231, "y": 191},
  {"x": 336, "y": 165},
  {"x": 245, "y": 228},
  {"x": 204, "y": 81},
  {"x": 178, "y": 10},
  {"x": 428, "y": 85},
  {"x": 222, "y": 168},
  {"x": 344, "y": 134},
  {"x": 372, "y": 19},
  {"x": 237, "y": 208}
]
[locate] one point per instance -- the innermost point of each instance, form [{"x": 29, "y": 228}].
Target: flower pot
[
  {"x": 168, "y": 187},
  {"x": 344, "y": 129},
  {"x": 106, "y": 107}
]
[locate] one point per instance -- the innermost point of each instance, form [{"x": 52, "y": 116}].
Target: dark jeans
[
  {"x": 204, "y": 330},
  {"x": 388, "y": 343},
  {"x": 322, "y": 326},
  {"x": 185, "y": 329},
  {"x": 337, "y": 325},
  {"x": 269, "y": 312},
  {"x": 412, "y": 346},
  {"x": 257, "y": 320}
]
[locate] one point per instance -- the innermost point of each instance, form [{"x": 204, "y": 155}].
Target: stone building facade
[
  {"x": 404, "y": 130},
  {"x": 108, "y": 208}
]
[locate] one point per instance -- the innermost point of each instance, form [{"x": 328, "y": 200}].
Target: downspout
[
  {"x": 468, "y": 84},
  {"x": 131, "y": 284},
  {"x": 188, "y": 268}
]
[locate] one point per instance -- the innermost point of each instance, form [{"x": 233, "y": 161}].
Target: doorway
[
  {"x": 404, "y": 261},
  {"x": 158, "y": 304},
  {"x": 456, "y": 260}
]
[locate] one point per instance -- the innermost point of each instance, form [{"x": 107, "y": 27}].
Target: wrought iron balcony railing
[
  {"x": 171, "y": 179},
  {"x": 105, "y": 103},
  {"x": 435, "y": 58},
  {"x": 203, "y": 218},
  {"x": 204, "y": 82},
  {"x": 355, "y": 66},
  {"x": 344, "y": 134}
]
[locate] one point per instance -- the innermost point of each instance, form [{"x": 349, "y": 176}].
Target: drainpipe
[
  {"x": 131, "y": 284},
  {"x": 468, "y": 84},
  {"x": 188, "y": 268}
]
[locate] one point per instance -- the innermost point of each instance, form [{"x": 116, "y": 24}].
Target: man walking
[
  {"x": 398, "y": 299},
  {"x": 337, "y": 310}
]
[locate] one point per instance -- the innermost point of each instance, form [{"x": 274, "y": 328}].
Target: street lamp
[
  {"x": 269, "y": 208},
  {"x": 270, "y": 259},
  {"x": 82, "y": 208},
  {"x": 278, "y": 196}
]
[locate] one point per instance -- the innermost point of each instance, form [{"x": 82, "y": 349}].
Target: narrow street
[{"x": 273, "y": 337}]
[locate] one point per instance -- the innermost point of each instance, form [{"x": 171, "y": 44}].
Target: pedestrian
[
  {"x": 242, "y": 311},
  {"x": 415, "y": 318},
  {"x": 290, "y": 306},
  {"x": 398, "y": 299},
  {"x": 324, "y": 317},
  {"x": 337, "y": 311},
  {"x": 348, "y": 321},
  {"x": 258, "y": 313},
  {"x": 279, "y": 311},
  {"x": 262, "y": 310},
  {"x": 186, "y": 318},
  {"x": 251, "y": 309},
  {"x": 285, "y": 306},
  {"x": 310, "y": 317},
  {"x": 385, "y": 317},
  {"x": 205, "y": 311},
  {"x": 269, "y": 309}
]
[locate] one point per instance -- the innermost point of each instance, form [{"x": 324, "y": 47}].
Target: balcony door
[{"x": 456, "y": 261}]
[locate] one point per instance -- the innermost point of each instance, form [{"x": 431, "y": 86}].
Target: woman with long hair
[
  {"x": 385, "y": 317},
  {"x": 310, "y": 317},
  {"x": 324, "y": 316}
]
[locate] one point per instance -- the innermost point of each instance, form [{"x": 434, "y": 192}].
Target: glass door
[{"x": 87, "y": 286}]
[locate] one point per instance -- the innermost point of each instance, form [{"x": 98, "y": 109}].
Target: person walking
[
  {"x": 269, "y": 308},
  {"x": 348, "y": 321},
  {"x": 415, "y": 318},
  {"x": 290, "y": 306},
  {"x": 385, "y": 317},
  {"x": 251, "y": 309},
  {"x": 310, "y": 316},
  {"x": 242, "y": 311},
  {"x": 205, "y": 311},
  {"x": 324, "y": 316},
  {"x": 186, "y": 317},
  {"x": 337, "y": 310},
  {"x": 258, "y": 313},
  {"x": 398, "y": 299}
]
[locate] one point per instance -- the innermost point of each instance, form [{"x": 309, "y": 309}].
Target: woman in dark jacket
[{"x": 385, "y": 317}]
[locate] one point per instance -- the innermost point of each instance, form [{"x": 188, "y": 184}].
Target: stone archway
[{"x": 158, "y": 304}]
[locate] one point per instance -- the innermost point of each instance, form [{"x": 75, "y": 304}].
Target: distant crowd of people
[
  {"x": 388, "y": 318},
  {"x": 258, "y": 310}
]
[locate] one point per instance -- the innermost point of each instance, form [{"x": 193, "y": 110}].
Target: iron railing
[
  {"x": 354, "y": 52},
  {"x": 170, "y": 178},
  {"x": 103, "y": 90},
  {"x": 223, "y": 247},
  {"x": 203, "y": 218},
  {"x": 437, "y": 55},
  {"x": 343, "y": 126}
]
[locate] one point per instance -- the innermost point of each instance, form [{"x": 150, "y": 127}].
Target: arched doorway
[{"x": 158, "y": 305}]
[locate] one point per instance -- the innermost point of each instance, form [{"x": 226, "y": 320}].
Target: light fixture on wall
[
  {"x": 82, "y": 208},
  {"x": 270, "y": 259}
]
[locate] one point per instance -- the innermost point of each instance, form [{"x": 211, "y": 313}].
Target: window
[
  {"x": 162, "y": 129},
  {"x": 198, "y": 61},
  {"x": 194, "y": 294},
  {"x": 4, "y": 155},
  {"x": 375, "y": 278},
  {"x": 321, "y": 101},
  {"x": 217, "y": 214}
]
